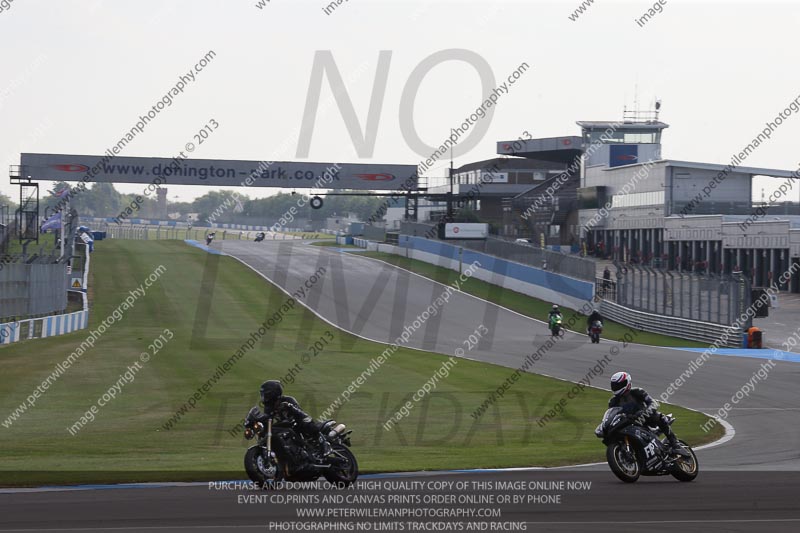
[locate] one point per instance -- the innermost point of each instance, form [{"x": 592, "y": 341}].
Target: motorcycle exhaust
[{"x": 336, "y": 431}]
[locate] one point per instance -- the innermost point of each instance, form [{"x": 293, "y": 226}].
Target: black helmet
[{"x": 270, "y": 391}]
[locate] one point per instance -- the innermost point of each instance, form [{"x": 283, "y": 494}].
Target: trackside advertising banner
[
  {"x": 111, "y": 169},
  {"x": 466, "y": 231}
]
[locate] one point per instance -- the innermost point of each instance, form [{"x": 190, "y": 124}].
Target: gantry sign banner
[{"x": 178, "y": 171}]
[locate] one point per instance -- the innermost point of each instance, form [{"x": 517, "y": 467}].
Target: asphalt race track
[
  {"x": 750, "y": 482},
  {"x": 715, "y": 502}
]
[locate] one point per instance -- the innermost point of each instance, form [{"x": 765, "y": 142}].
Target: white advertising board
[{"x": 466, "y": 230}]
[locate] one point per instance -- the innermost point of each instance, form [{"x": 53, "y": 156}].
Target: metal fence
[
  {"x": 151, "y": 232},
  {"x": 568, "y": 265},
  {"x": 32, "y": 289},
  {"x": 712, "y": 298},
  {"x": 6, "y": 229}
]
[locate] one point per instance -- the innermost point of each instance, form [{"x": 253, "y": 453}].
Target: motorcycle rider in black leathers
[
  {"x": 592, "y": 317},
  {"x": 286, "y": 408},
  {"x": 638, "y": 402}
]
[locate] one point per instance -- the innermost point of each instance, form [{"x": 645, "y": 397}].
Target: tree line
[{"x": 103, "y": 200}]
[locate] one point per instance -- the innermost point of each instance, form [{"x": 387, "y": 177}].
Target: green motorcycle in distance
[{"x": 556, "y": 327}]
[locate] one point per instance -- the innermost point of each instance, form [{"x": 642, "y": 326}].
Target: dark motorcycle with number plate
[
  {"x": 633, "y": 450},
  {"x": 282, "y": 453}
]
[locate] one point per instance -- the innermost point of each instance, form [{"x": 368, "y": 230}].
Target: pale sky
[{"x": 75, "y": 75}]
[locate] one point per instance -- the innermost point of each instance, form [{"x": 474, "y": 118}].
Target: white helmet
[{"x": 621, "y": 383}]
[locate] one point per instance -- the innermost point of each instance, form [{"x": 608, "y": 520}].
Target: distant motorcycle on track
[
  {"x": 634, "y": 450},
  {"x": 595, "y": 330},
  {"x": 556, "y": 326}
]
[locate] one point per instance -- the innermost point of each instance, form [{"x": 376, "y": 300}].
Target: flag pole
[{"x": 63, "y": 229}]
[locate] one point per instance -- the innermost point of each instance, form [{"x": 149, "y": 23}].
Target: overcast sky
[{"x": 75, "y": 75}]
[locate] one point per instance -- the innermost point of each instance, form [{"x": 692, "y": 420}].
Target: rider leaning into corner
[
  {"x": 286, "y": 408},
  {"x": 637, "y": 401}
]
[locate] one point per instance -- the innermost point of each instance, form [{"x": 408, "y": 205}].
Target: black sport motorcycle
[
  {"x": 595, "y": 330},
  {"x": 633, "y": 449},
  {"x": 282, "y": 453}
]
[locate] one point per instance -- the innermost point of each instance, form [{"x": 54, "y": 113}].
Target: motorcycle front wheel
[
  {"x": 624, "y": 465},
  {"x": 344, "y": 470},
  {"x": 259, "y": 469},
  {"x": 686, "y": 468}
]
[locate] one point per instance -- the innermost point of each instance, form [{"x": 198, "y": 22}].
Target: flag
[{"x": 54, "y": 222}]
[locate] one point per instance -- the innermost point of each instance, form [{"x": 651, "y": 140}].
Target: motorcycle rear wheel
[
  {"x": 622, "y": 467},
  {"x": 342, "y": 474},
  {"x": 686, "y": 468}
]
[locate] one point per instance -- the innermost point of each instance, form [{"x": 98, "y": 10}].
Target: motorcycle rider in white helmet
[{"x": 637, "y": 401}]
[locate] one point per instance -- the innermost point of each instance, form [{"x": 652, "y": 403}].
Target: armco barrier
[{"x": 672, "y": 326}]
